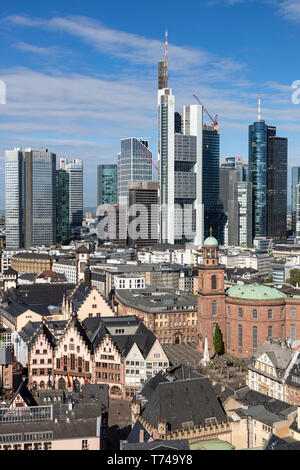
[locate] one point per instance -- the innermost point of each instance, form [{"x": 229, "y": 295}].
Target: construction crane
[
  {"x": 213, "y": 120},
  {"x": 148, "y": 156}
]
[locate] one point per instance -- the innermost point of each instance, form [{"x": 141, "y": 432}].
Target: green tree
[
  {"x": 294, "y": 277},
  {"x": 218, "y": 341}
]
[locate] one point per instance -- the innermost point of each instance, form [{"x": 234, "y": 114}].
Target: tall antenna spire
[
  {"x": 259, "y": 109},
  {"x": 166, "y": 56}
]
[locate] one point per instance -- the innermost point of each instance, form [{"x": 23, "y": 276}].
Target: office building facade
[
  {"x": 214, "y": 215},
  {"x": 243, "y": 196},
  {"x": 107, "y": 184},
  {"x": 14, "y": 196},
  {"x": 39, "y": 198},
  {"x": 295, "y": 182},
  {"x": 62, "y": 206},
  {"x": 268, "y": 175},
  {"x": 277, "y": 188},
  {"x": 75, "y": 170},
  {"x": 228, "y": 179},
  {"x": 143, "y": 213},
  {"x": 134, "y": 164}
]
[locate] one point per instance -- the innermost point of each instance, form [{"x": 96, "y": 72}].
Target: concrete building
[
  {"x": 169, "y": 313},
  {"x": 143, "y": 213}
]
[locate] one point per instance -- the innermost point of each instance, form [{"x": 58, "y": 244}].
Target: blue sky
[{"x": 82, "y": 75}]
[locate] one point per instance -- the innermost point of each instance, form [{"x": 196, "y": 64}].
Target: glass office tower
[
  {"x": 75, "y": 170},
  {"x": 214, "y": 215},
  {"x": 14, "y": 194},
  {"x": 134, "y": 163},
  {"x": 39, "y": 198},
  {"x": 107, "y": 184},
  {"x": 258, "y": 137},
  {"x": 295, "y": 182},
  {"x": 277, "y": 188},
  {"x": 62, "y": 206}
]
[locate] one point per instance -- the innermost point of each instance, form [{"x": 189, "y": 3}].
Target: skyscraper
[
  {"x": 295, "y": 181},
  {"x": 39, "y": 198},
  {"x": 75, "y": 170},
  {"x": 243, "y": 195},
  {"x": 134, "y": 163},
  {"x": 143, "y": 194},
  {"x": 14, "y": 198},
  {"x": 268, "y": 175},
  {"x": 277, "y": 188},
  {"x": 297, "y": 204},
  {"x": 166, "y": 195},
  {"x": 62, "y": 206},
  {"x": 258, "y": 176},
  {"x": 214, "y": 215},
  {"x": 180, "y": 167},
  {"x": 228, "y": 179},
  {"x": 107, "y": 184}
]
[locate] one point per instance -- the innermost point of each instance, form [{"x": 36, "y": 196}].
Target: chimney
[{"x": 141, "y": 439}]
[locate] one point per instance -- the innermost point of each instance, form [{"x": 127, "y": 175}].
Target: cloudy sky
[{"x": 80, "y": 76}]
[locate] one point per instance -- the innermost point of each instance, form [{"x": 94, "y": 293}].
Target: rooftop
[{"x": 255, "y": 292}]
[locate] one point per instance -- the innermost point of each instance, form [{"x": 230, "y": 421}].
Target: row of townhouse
[
  {"x": 275, "y": 371},
  {"x": 120, "y": 352}
]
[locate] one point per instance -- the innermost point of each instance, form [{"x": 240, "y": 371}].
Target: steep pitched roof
[
  {"x": 25, "y": 393},
  {"x": 80, "y": 294},
  {"x": 45, "y": 331},
  {"x": 183, "y": 402}
]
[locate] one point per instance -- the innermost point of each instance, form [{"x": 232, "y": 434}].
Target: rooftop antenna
[
  {"x": 166, "y": 56},
  {"x": 259, "y": 109}
]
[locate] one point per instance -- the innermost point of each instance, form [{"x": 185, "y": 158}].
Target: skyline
[{"x": 90, "y": 79}]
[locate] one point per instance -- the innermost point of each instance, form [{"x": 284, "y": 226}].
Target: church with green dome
[{"x": 247, "y": 314}]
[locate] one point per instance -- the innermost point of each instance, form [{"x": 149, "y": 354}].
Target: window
[
  {"x": 240, "y": 313},
  {"x": 240, "y": 335},
  {"x": 254, "y": 314},
  {"x": 72, "y": 362},
  {"x": 57, "y": 363},
  {"x": 270, "y": 314},
  {"x": 213, "y": 282},
  {"x": 254, "y": 337},
  {"x": 270, "y": 331},
  {"x": 228, "y": 311},
  {"x": 87, "y": 366},
  {"x": 293, "y": 335},
  {"x": 282, "y": 331},
  {"x": 293, "y": 313},
  {"x": 214, "y": 307},
  {"x": 84, "y": 444},
  {"x": 228, "y": 333}
]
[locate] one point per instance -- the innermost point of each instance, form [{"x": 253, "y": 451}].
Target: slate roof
[
  {"x": 181, "y": 444},
  {"x": 42, "y": 330},
  {"x": 183, "y": 401},
  {"x": 10, "y": 272},
  {"x": 150, "y": 385},
  {"x": 25, "y": 393},
  {"x": 275, "y": 443},
  {"x": 251, "y": 398},
  {"x": 134, "y": 435},
  {"x": 82, "y": 249},
  {"x": 260, "y": 413},
  {"x": 279, "y": 356},
  {"x": 37, "y": 297},
  {"x": 80, "y": 294},
  {"x": 6, "y": 356}
]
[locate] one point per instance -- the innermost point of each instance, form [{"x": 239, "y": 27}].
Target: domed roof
[
  {"x": 255, "y": 292},
  {"x": 211, "y": 241}
]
